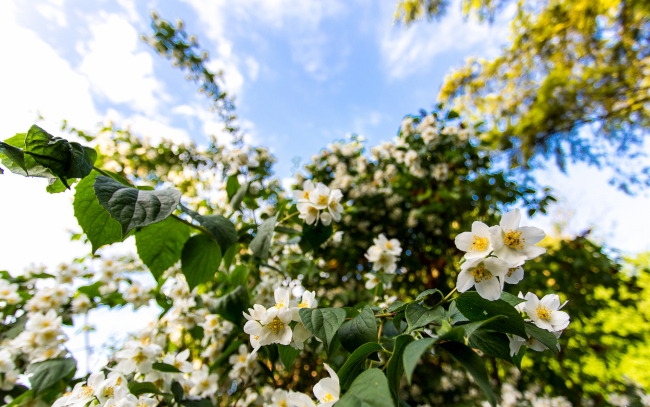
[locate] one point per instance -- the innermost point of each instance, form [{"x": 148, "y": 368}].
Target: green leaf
[
  {"x": 160, "y": 245},
  {"x": 397, "y": 306},
  {"x": 313, "y": 236},
  {"x": 473, "y": 326},
  {"x": 424, "y": 294},
  {"x": 46, "y": 373},
  {"x": 359, "y": 330},
  {"x": 232, "y": 305},
  {"x": 239, "y": 276},
  {"x": 547, "y": 338},
  {"x": 200, "y": 259},
  {"x": 494, "y": 344},
  {"x": 138, "y": 388},
  {"x": 32, "y": 168},
  {"x": 476, "y": 308},
  {"x": 370, "y": 389},
  {"x": 55, "y": 186},
  {"x": 323, "y": 323},
  {"x": 413, "y": 353},
  {"x": 452, "y": 115},
  {"x": 221, "y": 228},
  {"x": 19, "y": 400},
  {"x": 229, "y": 256},
  {"x": 352, "y": 367},
  {"x": 236, "y": 200},
  {"x": 473, "y": 364},
  {"x": 232, "y": 185},
  {"x": 197, "y": 403},
  {"x": 92, "y": 291},
  {"x": 417, "y": 316},
  {"x": 395, "y": 367},
  {"x": 452, "y": 315},
  {"x": 261, "y": 243},
  {"x": 511, "y": 299},
  {"x": 287, "y": 355},
  {"x": 164, "y": 367},
  {"x": 14, "y": 329},
  {"x": 14, "y": 154},
  {"x": 133, "y": 208},
  {"x": 65, "y": 159},
  {"x": 94, "y": 220}
]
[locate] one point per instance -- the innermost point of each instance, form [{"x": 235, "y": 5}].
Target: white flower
[
  {"x": 243, "y": 363},
  {"x": 319, "y": 197},
  {"x": 254, "y": 329},
  {"x": 6, "y": 361},
  {"x": 381, "y": 260},
  {"x": 546, "y": 313},
  {"x": 391, "y": 246},
  {"x": 300, "y": 333},
  {"x": 276, "y": 326},
  {"x": 255, "y": 313},
  {"x": 210, "y": 324},
  {"x": 327, "y": 390},
  {"x": 282, "y": 296},
  {"x": 83, "y": 392},
  {"x": 334, "y": 204},
  {"x": 513, "y": 243},
  {"x": 9, "y": 292},
  {"x": 303, "y": 195},
  {"x": 114, "y": 387},
  {"x": 279, "y": 398},
  {"x": 521, "y": 307},
  {"x": 179, "y": 361},
  {"x": 299, "y": 400},
  {"x": 137, "y": 356},
  {"x": 482, "y": 273},
  {"x": 514, "y": 275},
  {"x": 308, "y": 212},
  {"x": 372, "y": 282},
  {"x": 517, "y": 341},
  {"x": 325, "y": 218},
  {"x": 338, "y": 236},
  {"x": 205, "y": 384},
  {"x": 476, "y": 243},
  {"x": 81, "y": 304}
]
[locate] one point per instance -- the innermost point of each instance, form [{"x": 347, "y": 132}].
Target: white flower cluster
[
  {"x": 327, "y": 392},
  {"x": 318, "y": 202},
  {"x": 383, "y": 255},
  {"x": 272, "y": 325},
  {"x": 48, "y": 298},
  {"x": 42, "y": 337},
  {"x": 9, "y": 293},
  {"x": 510, "y": 243},
  {"x": 98, "y": 390},
  {"x": 240, "y": 158}
]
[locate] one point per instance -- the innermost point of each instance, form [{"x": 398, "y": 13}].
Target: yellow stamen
[
  {"x": 305, "y": 195},
  {"x": 313, "y": 211},
  {"x": 480, "y": 274},
  {"x": 479, "y": 243},
  {"x": 328, "y": 397},
  {"x": 514, "y": 240},
  {"x": 279, "y": 304},
  {"x": 322, "y": 200},
  {"x": 512, "y": 270},
  {"x": 256, "y": 337},
  {"x": 543, "y": 312},
  {"x": 276, "y": 325},
  {"x": 389, "y": 246},
  {"x": 139, "y": 358},
  {"x": 303, "y": 304}
]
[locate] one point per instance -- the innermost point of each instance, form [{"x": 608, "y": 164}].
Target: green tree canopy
[{"x": 573, "y": 83}]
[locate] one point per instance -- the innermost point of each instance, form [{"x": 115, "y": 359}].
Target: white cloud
[
  {"x": 406, "y": 51},
  {"x": 53, "y": 13},
  {"x": 115, "y": 68}
]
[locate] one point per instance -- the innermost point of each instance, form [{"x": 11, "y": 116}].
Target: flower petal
[
  {"x": 532, "y": 235},
  {"x": 465, "y": 281},
  {"x": 489, "y": 289},
  {"x": 510, "y": 221}
]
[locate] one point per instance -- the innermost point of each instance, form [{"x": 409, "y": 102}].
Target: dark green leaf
[
  {"x": 494, "y": 344},
  {"x": 323, "y": 323},
  {"x": 511, "y": 299},
  {"x": 197, "y": 403},
  {"x": 395, "y": 367},
  {"x": 239, "y": 276},
  {"x": 133, "y": 208},
  {"x": 138, "y": 388},
  {"x": 353, "y": 366},
  {"x": 397, "y": 306},
  {"x": 476, "y": 308},
  {"x": 229, "y": 256},
  {"x": 200, "y": 259},
  {"x": 177, "y": 391},
  {"x": 313, "y": 236},
  {"x": 359, "y": 330},
  {"x": 14, "y": 329},
  {"x": 413, "y": 353},
  {"x": 32, "y": 168},
  {"x": 232, "y": 185},
  {"x": 94, "y": 220},
  {"x": 232, "y": 305},
  {"x": 261, "y": 243},
  {"x": 452, "y": 315},
  {"x": 473, "y": 364},
  {"x": 219, "y": 227},
  {"x": 485, "y": 324},
  {"x": 547, "y": 338},
  {"x": 92, "y": 291},
  {"x": 370, "y": 389},
  {"x": 235, "y": 202},
  {"x": 22, "y": 398},
  {"x": 417, "y": 316},
  {"x": 14, "y": 154},
  {"x": 160, "y": 245},
  {"x": 452, "y": 115},
  {"x": 45, "y": 374},
  {"x": 164, "y": 367},
  {"x": 55, "y": 185},
  {"x": 424, "y": 294},
  {"x": 287, "y": 355}
]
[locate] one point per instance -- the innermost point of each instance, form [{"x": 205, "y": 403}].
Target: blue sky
[{"x": 304, "y": 73}]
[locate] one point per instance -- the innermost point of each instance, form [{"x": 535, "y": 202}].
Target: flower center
[
  {"x": 389, "y": 246},
  {"x": 139, "y": 358},
  {"x": 276, "y": 325},
  {"x": 514, "y": 240},
  {"x": 256, "y": 337},
  {"x": 479, "y": 243},
  {"x": 279, "y": 304},
  {"x": 303, "y": 304},
  {"x": 87, "y": 391},
  {"x": 242, "y": 358},
  {"x": 305, "y": 195},
  {"x": 543, "y": 312},
  {"x": 313, "y": 211},
  {"x": 108, "y": 392},
  {"x": 328, "y": 397},
  {"x": 480, "y": 274},
  {"x": 322, "y": 200}
]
